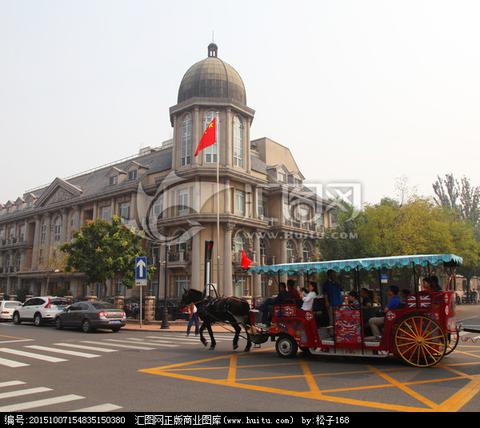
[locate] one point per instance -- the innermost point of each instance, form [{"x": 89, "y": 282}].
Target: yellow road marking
[
  {"x": 312, "y": 384},
  {"x": 308, "y": 394},
  {"x": 455, "y": 402},
  {"x": 469, "y": 354},
  {"x": 404, "y": 388},
  {"x": 232, "y": 370},
  {"x": 461, "y": 397}
]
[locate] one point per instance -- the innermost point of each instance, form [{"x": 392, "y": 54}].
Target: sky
[{"x": 360, "y": 91}]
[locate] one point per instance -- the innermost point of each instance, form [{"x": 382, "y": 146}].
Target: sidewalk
[{"x": 174, "y": 327}]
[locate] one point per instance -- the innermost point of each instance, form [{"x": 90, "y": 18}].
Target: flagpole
[{"x": 218, "y": 213}]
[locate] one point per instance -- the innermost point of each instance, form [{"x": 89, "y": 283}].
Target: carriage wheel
[
  {"x": 452, "y": 341},
  {"x": 286, "y": 347},
  {"x": 420, "y": 341}
]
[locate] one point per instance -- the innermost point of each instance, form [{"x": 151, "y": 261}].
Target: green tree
[
  {"x": 388, "y": 229},
  {"x": 103, "y": 250}
]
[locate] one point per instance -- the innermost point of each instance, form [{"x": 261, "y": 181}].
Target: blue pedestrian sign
[{"x": 141, "y": 271}]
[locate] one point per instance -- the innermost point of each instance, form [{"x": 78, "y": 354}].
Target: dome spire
[{"x": 212, "y": 50}]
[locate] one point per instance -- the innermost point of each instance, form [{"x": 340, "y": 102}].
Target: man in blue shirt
[
  {"x": 332, "y": 293},
  {"x": 394, "y": 302}
]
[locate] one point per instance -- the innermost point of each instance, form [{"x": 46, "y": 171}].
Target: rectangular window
[
  {"x": 21, "y": 235},
  {"x": 181, "y": 283},
  {"x": 43, "y": 233},
  {"x": 132, "y": 175},
  {"x": 282, "y": 177},
  {"x": 241, "y": 286},
  {"x": 106, "y": 213},
  {"x": 113, "y": 180},
  {"x": 239, "y": 208},
  {"x": 40, "y": 256},
  {"x": 57, "y": 232},
  {"x": 158, "y": 208},
  {"x": 125, "y": 211},
  {"x": 183, "y": 202},
  {"x": 260, "y": 205}
]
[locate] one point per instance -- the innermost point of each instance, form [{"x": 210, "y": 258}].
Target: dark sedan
[{"x": 89, "y": 316}]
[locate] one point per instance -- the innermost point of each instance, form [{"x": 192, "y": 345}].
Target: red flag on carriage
[
  {"x": 246, "y": 262},
  {"x": 209, "y": 137}
]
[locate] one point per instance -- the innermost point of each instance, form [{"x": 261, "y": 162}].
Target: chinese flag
[
  {"x": 209, "y": 137},
  {"x": 246, "y": 262}
]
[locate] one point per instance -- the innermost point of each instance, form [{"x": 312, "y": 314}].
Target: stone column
[
  {"x": 257, "y": 278},
  {"x": 133, "y": 207},
  {"x": 228, "y": 138},
  {"x": 283, "y": 257},
  {"x": 228, "y": 197},
  {"x": 175, "y": 149},
  {"x": 64, "y": 233},
  {"x": 248, "y": 201},
  {"x": 227, "y": 260},
  {"x": 36, "y": 242},
  {"x": 149, "y": 314},
  {"x": 197, "y": 280},
  {"x": 247, "y": 144},
  {"x": 195, "y": 134},
  {"x": 48, "y": 236},
  {"x": 119, "y": 302},
  {"x": 301, "y": 277}
]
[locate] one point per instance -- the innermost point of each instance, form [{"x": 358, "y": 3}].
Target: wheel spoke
[
  {"x": 424, "y": 332},
  {"x": 429, "y": 339},
  {"x": 409, "y": 349},
  {"x": 424, "y": 356},
  {"x": 415, "y": 335},
  {"x": 432, "y": 348},
  {"x": 407, "y": 333},
  {"x": 429, "y": 353}
]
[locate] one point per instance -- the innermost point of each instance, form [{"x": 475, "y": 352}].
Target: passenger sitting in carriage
[
  {"x": 266, "y": 307},
  {"x": 353, "y": 300},
  {"x": 310, "y": 296},
  {"x": 394, "y": 302}
]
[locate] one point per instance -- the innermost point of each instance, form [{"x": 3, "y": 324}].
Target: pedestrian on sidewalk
[{"x": 192, "y": 311}]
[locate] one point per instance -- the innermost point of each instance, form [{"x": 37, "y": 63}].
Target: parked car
[
  {"x": 89, "y": 316},
  {"x": 7, "y": 307},
  {"x": 39, "y": 310}
]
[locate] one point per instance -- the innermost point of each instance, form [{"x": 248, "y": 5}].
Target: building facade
[{"x": 173, "y": 197}]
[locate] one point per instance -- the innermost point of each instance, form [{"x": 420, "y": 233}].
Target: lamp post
[{"x": 165, "y": 308}]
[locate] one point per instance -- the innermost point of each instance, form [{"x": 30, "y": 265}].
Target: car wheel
[
  {"x": 86, "y": 326},
  {"x": 116, "y": 329},
  {"x": 58, "y": 323},
  {"x": 16, "y": 318},
  {"x": 37, "y": 320}
]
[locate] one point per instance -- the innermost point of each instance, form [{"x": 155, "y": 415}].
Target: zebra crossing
[
  {"x": 14, "y": 391},
  {"x": 25, "y": 354}
]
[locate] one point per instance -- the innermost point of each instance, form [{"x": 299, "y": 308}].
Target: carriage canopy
[{"x": 352, "y": 264}]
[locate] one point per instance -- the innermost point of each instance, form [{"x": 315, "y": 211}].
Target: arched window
[
  {"x": 239, "y": 242},
  {"x": 210, "y": 153},
  {"x": 238, "y": 149},
  {"x": 290, "y": 251},
  {"x": 186, "y": 140},
  {"x": 306, "y": 251}
]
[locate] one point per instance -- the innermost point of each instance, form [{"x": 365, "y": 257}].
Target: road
[{"x": 43, "y": 369}]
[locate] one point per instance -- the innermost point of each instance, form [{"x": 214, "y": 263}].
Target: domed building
[{"x": 259, "y": 202}]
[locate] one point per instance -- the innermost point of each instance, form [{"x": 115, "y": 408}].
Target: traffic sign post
[{"x": 141, "y": 279}]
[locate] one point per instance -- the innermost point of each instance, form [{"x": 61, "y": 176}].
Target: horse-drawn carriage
[{"x": 420, "y": 333}]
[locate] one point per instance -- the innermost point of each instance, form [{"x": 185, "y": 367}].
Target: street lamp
[{"x": 165, "y": 308}]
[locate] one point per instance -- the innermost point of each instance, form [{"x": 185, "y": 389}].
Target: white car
[
  {"x": 40, "y": 310},
  {"x": 7, "y": 307}
]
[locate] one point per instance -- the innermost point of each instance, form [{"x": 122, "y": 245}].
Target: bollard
[
  {"x": 149, "y": 308},
  {"x": 91, "y": 298},
  {"x": 119, "y": 302}
]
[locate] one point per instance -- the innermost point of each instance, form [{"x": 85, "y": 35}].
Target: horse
[{"x": 232, "y": 310}]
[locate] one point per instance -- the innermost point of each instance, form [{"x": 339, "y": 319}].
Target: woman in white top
[{"x": 310, "y": 296}]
